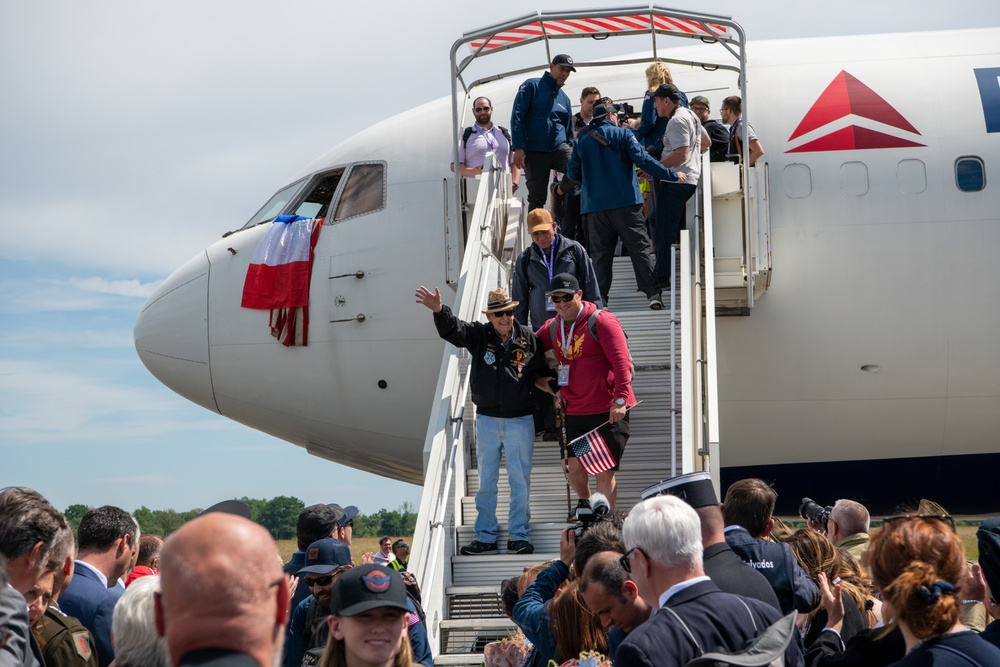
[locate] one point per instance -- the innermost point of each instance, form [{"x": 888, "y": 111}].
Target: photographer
[
  {"x": 847, "y": 527},
  {"x": 531, "y": 613}
]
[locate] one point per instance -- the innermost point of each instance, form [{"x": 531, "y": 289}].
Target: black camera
[
  {"x": 810, "y": 509},
  {"x": 587, "y": 516},
  {"x": 625, "y": 111}
]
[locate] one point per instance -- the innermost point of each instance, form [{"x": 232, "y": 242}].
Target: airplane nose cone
[{"x": 171, "y": 333}]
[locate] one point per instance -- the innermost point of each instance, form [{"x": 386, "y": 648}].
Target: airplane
[{"x": 870, "y": 367}]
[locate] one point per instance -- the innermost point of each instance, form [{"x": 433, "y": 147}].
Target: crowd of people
[{"x": 678, "y": 577}]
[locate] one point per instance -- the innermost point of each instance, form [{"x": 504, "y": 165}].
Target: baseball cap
[
  {"x": 563, "y": 59},
  {"x": 564, "y": 283},
  {"x": 604, "y": 110},
  {"x": 694, "y": 488},
  {"x": 349, "y": 513},
  {"x": 669, "y": 91},
  {"x": 318, "y": 520},
  {"x": 539, "y": 220},
  {"x": 237, "y": 507},
  {"x": 700, "y": 99},
  {"x": 325, "y": 555},
  {"x": 361, "y": 589}
]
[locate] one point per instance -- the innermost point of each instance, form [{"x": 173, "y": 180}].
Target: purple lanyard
[{"x": 550, "y": 263}]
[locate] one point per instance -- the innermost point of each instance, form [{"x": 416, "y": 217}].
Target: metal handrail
[{"x": 445, "y": 425}]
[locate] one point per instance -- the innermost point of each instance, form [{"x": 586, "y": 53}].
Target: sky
[{"x": 134, "y": 134}]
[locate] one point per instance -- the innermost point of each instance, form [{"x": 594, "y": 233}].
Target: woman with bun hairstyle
[
  {"x": 918, "y": 562},
  {"x": 368, "y": 620}
]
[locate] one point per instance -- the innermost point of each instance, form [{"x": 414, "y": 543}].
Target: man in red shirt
[{"x": 594, "y": 386}]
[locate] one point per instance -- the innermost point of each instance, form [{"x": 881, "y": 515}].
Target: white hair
[
  {"x": 851, "y": 516},
  {"x": 667, "y": 530},
  {"x": 133, "y": 627}
]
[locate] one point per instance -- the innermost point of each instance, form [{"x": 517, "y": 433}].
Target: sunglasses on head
[{"x": 562, "y": 298}]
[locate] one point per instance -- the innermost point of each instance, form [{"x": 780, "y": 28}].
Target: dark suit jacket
[
  {"x": 21, "y": 648},
  {"x": 717, "y": 620},
  {"x": 90, "y": 602},
  {"x": 734, "y": 576}
]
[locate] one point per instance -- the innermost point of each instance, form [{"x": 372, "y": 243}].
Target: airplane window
[
  {"x": 316, "y": 202},
  {"x": 854, "y": 179},
  {"x": 970, "y": 174},
  {"x": 273, "y": 207},
  {"x": 911, "y": 176},
  {"x": 364, "y": 192},
  {"x": 798, "y": 181}
]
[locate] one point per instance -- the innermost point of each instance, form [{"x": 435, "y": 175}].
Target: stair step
[
  {"x": 458, "y": 659},
  {"x": 480, "y": 570}
]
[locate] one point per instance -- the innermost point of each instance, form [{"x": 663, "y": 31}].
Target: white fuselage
[{"x": 878, "y": 259}]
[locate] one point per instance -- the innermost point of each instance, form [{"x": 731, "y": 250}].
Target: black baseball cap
[
  {"x": 564, "y": 283},
  {"x": 564, "y": 60},
  {"x": 318, "y": 521},
  {"x": 604, "y": 110},
  {"x": 669, "y": 91},
  {"x": 361, "y": 589}
]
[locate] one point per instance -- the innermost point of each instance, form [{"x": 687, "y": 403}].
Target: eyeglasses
[
  {"x": 319, "y": 581},
  {"x": 624, "y": 561},
  {"x": 566, "y": 298},
  {"x": 481, "y": 109}
]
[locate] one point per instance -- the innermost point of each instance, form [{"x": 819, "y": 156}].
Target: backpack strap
[
  {"x": 753, "y": 621},
  {"x": 465, "y": 136},
  {"x": 690, "y": 634}
]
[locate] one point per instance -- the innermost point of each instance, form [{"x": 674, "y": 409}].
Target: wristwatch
[{"x": 620, "y": 402}]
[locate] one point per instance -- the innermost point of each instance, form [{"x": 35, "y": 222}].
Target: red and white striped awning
[{"x": 605, "y": 25}]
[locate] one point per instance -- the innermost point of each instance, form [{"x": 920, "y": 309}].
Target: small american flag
[{"x": 592, "y": 452}]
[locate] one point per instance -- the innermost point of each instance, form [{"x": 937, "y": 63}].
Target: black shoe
[
  {"x": 550, "y": 435},
  {"x": 477, "y": 548},
  {"x": 520, "y": 547}
]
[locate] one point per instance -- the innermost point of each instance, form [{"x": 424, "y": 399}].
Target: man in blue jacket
[
  {"x": 108, "y": 540},
  {"x": 541, "y": 126},
  {"x": 602, "y": 163}
]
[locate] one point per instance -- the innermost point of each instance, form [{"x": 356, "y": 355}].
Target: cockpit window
[
  {"x": 272, "y": 209},
  {"x": 316, "y": 203},
  {"x": 364, "y": 191}
]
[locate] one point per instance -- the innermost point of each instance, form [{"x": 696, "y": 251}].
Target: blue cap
[
  {"x": 326, "y": 555},
  {"x": 349, "y": 513}
]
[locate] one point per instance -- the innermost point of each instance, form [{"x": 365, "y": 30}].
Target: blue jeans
[{"x": 516, "y": 437}]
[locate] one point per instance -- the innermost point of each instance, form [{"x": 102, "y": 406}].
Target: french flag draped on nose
[{"x": 278, "y": 276}]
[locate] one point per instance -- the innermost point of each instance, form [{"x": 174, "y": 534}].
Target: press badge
[
  {"x": 563, "y": 375},
  {"x": 549, "y": 305}
]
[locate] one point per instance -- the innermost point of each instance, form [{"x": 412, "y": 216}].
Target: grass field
[{"x": 359, "y": 546}]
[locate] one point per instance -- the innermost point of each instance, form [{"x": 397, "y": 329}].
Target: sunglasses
[
  {"x": 502, "y": 315},
  {"x": 624, "y": 561},
  {"x": 480, "y": 109},
  {"x": 566, "y": 298},
  {"x": 946, "y": 518},
  {"x": 319, "y": 581}
]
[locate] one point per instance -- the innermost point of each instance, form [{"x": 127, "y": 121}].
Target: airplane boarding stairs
[{"x": 675, "y": 361}]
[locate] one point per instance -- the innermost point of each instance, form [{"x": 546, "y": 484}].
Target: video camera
[
  {"x": 625, "y": 112},
  {"x": 586, "y": 517},
  {"x": 810, "y": 509}
]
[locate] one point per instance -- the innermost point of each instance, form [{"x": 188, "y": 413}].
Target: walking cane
[{"x": 561, "y": 427}]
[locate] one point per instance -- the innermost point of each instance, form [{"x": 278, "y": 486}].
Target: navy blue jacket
[
  {"x": 652, "y": 128},
  {"x": 718, "y": 621},
  {"x": 794, "y": 588},
  {"x": 531, "y": 278},
  {"x": 92, "y": 603},
  {"x": 531, "y": 613},
  {"x": 606, "y": 172},
  {"x": 542, "y": 117}
]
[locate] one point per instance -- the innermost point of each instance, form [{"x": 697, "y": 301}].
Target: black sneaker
[
  {"x": 477, "y": 548},
  {"x": 520, "y": 547}
]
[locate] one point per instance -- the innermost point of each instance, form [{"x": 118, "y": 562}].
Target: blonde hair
[{"x": 657, "y": 74}]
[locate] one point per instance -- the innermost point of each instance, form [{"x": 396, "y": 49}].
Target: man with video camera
[{"x": 846, "y": 524}]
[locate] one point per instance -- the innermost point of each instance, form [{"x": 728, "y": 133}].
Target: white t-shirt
[{"x": 684, "y": 129}]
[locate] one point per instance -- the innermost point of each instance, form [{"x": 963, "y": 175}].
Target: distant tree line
[{"x": 279, "y": 515}]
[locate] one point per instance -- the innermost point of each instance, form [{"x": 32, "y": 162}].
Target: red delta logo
[{"x": 846, "y": 96}]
